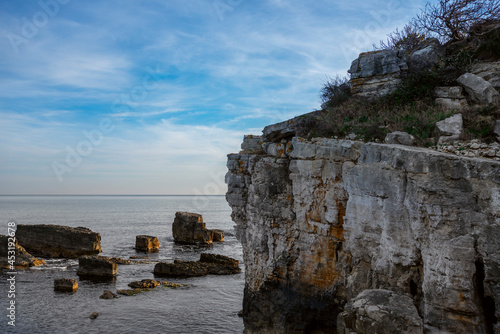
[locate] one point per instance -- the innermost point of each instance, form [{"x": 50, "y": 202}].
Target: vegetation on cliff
[{"x": 470, "y": 33}]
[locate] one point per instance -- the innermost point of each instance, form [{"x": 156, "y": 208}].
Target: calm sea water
[{"x": 209, "y": 305}]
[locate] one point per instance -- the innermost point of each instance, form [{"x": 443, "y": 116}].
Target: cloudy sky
[{"x": 148, "y": 97}]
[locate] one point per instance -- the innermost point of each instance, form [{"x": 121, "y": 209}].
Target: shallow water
[{"x": 208, "y": 305}]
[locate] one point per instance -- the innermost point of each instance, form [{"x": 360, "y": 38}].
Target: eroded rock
[
  {"x": 97, "y": 267},
  {"x": 22, "y": 259},
  {"x": 450, "y": 128},
  {"x": 147, "y": 243},
  {"x": 108, "y": 295},
  {"x": 189, "y": 228},
  {"x": 65, "y": 285},
  {"x": 400, "y": 138},
  {"x": 338, "y": 217},
  {"x": 208, "y": 264},
  {"x": 480, "y": 90},
  {"x": 380, "y": 311},
  {"x": 56, "y": 241}
]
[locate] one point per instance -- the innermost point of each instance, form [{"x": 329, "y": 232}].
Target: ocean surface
[{"x": 209, "y": 304}]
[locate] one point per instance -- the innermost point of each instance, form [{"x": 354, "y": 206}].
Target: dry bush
[
  {"x": 409, "y": 39},
  {"x": 453, "y": 19}
]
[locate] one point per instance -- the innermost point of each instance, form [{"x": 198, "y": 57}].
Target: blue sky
[{"x": 148, "y": 97}]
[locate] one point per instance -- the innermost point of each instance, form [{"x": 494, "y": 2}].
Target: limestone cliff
[{"x": 325, "y": 222}]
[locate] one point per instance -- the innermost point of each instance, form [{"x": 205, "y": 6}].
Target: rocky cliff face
[{"x": 331, "y": 227}]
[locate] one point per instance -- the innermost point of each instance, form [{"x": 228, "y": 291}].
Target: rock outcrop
[
  {"x": 96, "y": 267},
  {"x": 480, "y": 90},
  {"x": 208, "y": 264},
  {"x": 66, "y": 285},
  {"x": 189, "y": 228},
  {"x": 335, "y": 219},
  {"x": 21, "y": 258},
  {"x": 55, "y": 241},
  {"x": 378, "y": 73},
  {"x": 147, "y": 243}
]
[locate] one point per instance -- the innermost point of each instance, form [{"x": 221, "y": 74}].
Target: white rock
[{"x": 480, "y": 90}]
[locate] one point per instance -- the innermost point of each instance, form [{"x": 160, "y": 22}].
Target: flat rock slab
[
  {"x": 56, "y": 241},
  {"x": 65, "y": 285},
  {"x": 209, "y": 264},
  {"x": 23, "y": 259},
  {"x": 96, "y": 267}
]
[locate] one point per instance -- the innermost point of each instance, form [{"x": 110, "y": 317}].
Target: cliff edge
[{"x": 345, "y": 236}]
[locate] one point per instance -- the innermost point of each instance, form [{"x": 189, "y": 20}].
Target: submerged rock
[
  {"x": 208, "y": 264},
  {"x": 189, "y": 228},
  {"x": 144, "y": 284},
  {"x": 108, "y": 295},
  {"x": 94, "y": 315},
  {"x": 22, "y": 259},
  {"x": 65, "y": 285},
  {"x": 218, "y": 235},
  {"x": 96, "y": 267},
  {"x": 56, "y": 241}
]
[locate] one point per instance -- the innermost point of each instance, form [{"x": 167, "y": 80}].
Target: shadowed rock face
[
  {"x": 338, "y": 217},
  {"x": 23, "y": 259},
  {"x": 96, "y": 267},
  {"x": 208, "y": 264},
  {"x": 55, "y": 241}
]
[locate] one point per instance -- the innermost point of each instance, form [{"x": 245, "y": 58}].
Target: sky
[{"x": 149, "y": 97}]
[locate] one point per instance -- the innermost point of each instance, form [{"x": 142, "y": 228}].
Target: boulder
[
  {"x": 208, "y": 264},
  {"x": 425, "y": 58},
  {"x": 479, "y": 90},
  {"x": 108, "y": 295},
  {"x": 144, "y": 284},
  {"x": 450, "y": 128},
  {"x": 489, "y": 71},
  {"x": 147, "y": 243},
  {"x": 55, "y": 241},
  {"x": 400, "y": 138},
  {"x": 377, "y": 73},
  {"x": 94, "y": 315},
  {"x": 96, "y": 267},
  {"x": 189, "y": 228},
  {"x": 65, "y": 285},
  {"x": 218, "y": 235},
  {"x": 220, "y": 264},
  {"x": 180, "y": 269},
  {"x": 251, "y": 143},
  {"x": 380, "y": 311},
  {"x": 22, "y": 258}
]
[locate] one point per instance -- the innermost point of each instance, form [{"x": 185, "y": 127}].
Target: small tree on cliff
[{"x": 452, "y": 19}]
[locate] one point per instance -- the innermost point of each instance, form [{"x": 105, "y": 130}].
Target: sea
[{"x": 208, "y": 304}]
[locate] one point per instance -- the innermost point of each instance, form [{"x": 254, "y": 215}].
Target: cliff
[{"x": 346, "y": 236}]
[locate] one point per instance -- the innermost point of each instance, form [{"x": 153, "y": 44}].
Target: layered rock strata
[
  {"x": 96, "y": 267},
  {"x": 335, "y": 218},
  {"x": 55, "y": 241},
  {"x": 19, "y": 259}
]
